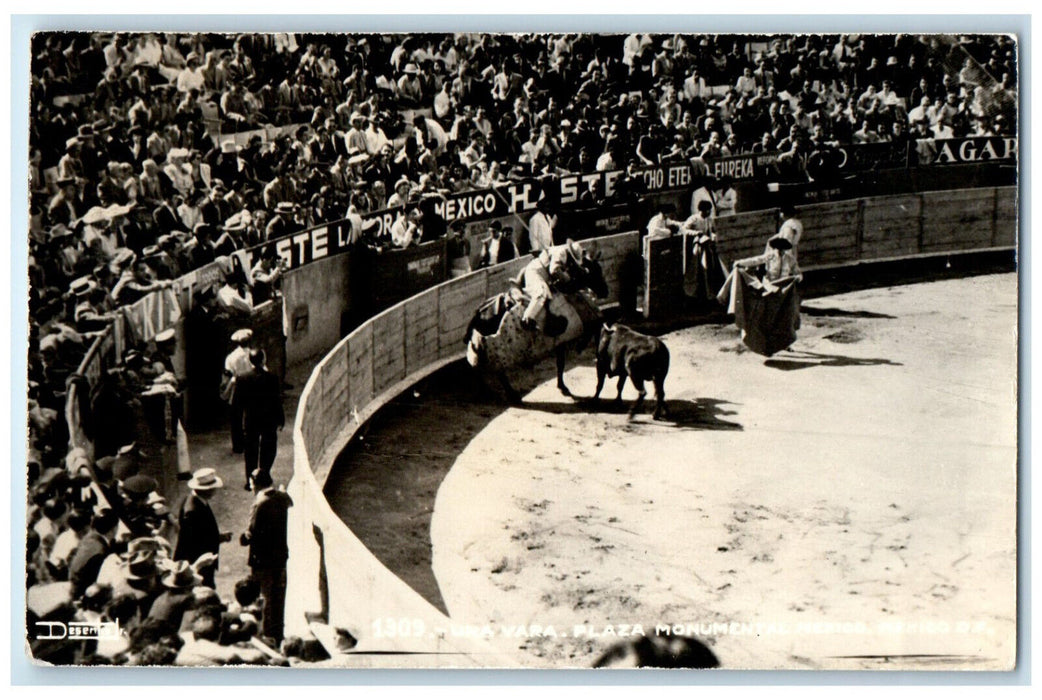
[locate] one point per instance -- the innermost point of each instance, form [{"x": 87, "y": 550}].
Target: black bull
[
  {"x": 622, "y": 352},
  {"x": 489, "y": 316}
]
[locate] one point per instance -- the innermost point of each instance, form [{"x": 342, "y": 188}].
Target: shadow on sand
[
  {"x": 700, "y": 414},
  {"x": 802, "y": 359},
  {"x": 841, "y": 313}
]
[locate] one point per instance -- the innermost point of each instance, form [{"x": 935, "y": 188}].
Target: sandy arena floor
[{"x": 861, "y": 482}]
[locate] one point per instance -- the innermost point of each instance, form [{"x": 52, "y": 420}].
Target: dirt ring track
[{"x": 863, "y": 482}]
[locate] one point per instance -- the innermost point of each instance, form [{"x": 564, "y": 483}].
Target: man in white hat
[
  {"x": 355, "y": 140},
  {"x": 410, "y": 88},
  {"x": 282, "y": 222},
  {"x": 198, "y": 533},
  {"x": 400, "y": 198},
  {"x": 226, "y": 164},
  {"x": 237, "y": 364},
  {"x": 180, "y": 178},
  {"x": 192, "y": 77},
  {"x": 553, "y": 264},
  {"x": 166, "y": 348},
  {"x": 85, "y": 315},
  {"x": 541, "y": 227}
]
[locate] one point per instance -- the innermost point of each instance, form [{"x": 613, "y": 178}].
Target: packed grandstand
[{"x": 153, "y": 155}]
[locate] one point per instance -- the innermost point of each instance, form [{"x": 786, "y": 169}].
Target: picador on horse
[{"x": 549, "y": 308}]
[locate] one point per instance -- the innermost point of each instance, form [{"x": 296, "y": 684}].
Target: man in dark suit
[
  {"x": 214, "y": 209},
  {"x": 165, "y": 215},
  {"x": 65, "y": 207},
  {"x": 198, "y": 533},
  {"x": 496, "y": 248},
  {"x": 259, "y": 395},
  {"x": 91, "y": 551},
  {"x": 266, "y": 537}
]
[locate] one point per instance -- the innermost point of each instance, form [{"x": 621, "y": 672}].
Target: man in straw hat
[
  {"x": 166, "y": 348},
  {"x": 89, "y": 313},
  {"x": 198, "y": 532},
  {"x": 177, "y": 597},
  {"x": 553, "y": 264},
  {"x": 282, "y": 222}
]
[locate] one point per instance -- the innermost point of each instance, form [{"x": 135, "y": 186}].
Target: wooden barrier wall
[
  {"x": 404, "y": 341},
  {"x": 882, "y": 228},
  {"x": 664, "y": 284},
  {"x": 841, "y": 233}
]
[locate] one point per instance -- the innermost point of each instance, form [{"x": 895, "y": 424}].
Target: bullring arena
[{"x": 845, "y": 504}]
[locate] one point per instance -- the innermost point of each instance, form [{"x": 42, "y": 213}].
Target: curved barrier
[
  {"x": 335, "y": 580},
  {"x": 90, "y": 368},
  {"x": 331, "y": 574}
]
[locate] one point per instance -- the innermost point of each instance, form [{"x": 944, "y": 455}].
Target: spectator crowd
[{"x": 154, "y": 154}]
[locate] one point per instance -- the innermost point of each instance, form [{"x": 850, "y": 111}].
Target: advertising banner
[{"x": 970, "y": 149}]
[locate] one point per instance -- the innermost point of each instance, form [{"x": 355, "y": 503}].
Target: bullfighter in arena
[{"x": 551, "y": 267}]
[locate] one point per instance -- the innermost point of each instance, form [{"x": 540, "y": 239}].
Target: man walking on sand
[{"x": 260, "y": 398}]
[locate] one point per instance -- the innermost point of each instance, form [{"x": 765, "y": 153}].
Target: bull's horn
[{"x": 608, "y": 329}]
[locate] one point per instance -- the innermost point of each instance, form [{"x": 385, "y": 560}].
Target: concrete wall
[{"x": 316, "y": 296}]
